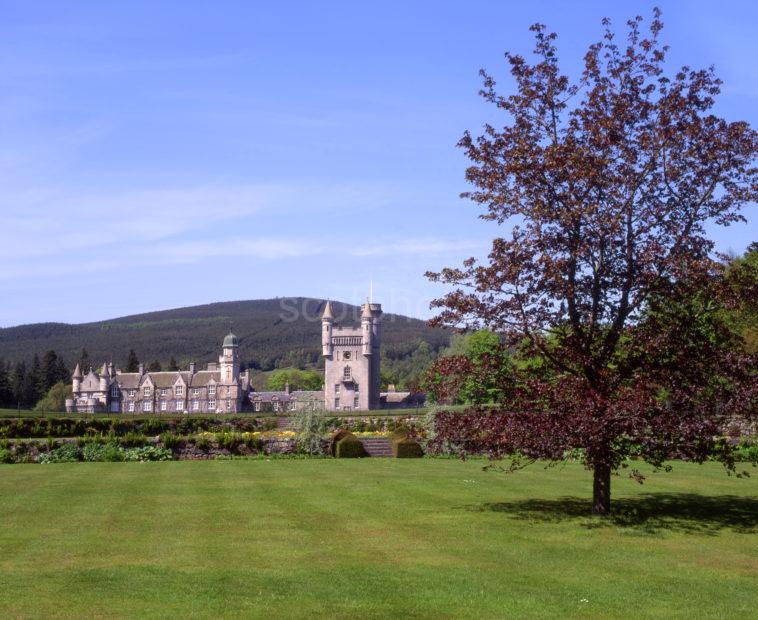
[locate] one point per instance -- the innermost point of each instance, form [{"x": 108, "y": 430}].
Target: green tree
[
  {"x": 55, "y": 399},
  {"x": 297, "y": 379},
  {"x": 172, "y": 365},
  {"x": 84, "y": 361},
  {"x": 6, "y": 395},
  {"x": 132, "y": 363},
  {"x": 154, "y": 366},
  {"x": 36, "y": 381}
]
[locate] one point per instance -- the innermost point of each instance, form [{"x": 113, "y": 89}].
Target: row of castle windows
[
  {"x": 178, "y": 391},
  {"x": 147, "y": 406}
]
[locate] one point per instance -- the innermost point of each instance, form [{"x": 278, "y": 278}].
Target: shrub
[
  {"x": 131, "y": 439},
  {"x": 202, "y": 442},
  {"x": 349, "y": 447},
  {"x": 6, "y": 456},
  {"x": 67, "y": 453},
  {"x": 229, "y": 441},
  {"x": 148, "y": 453},
  {"x": 170, "y": 440},
  {"x": 310, "y": 427},
  {"x": 95, "y": 451},
  {"x": 746, "y": 451}
]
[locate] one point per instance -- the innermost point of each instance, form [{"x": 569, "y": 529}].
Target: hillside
[{"x": 272, "y": 333}]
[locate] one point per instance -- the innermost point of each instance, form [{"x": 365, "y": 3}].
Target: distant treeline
[
  {"x": 273, "y": 333},
  {"x": 25, "y": 383}
]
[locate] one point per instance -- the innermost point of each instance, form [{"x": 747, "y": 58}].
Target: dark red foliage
[{"x": 608, "y": 276}]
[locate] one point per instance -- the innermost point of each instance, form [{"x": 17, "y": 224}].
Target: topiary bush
[
  {"x": 406, "y": 448},
  {"x": 349, "y": 447},
  {"x": 336, "y": 437}
]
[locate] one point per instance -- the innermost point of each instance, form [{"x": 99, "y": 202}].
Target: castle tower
[
  {"x": 228, "y": 361},
  {"x": 352, "y": 360},
  {"x": 104, "y": 376}
]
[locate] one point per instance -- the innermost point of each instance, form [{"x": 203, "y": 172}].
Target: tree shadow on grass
[{"x": 648, "y": 513}]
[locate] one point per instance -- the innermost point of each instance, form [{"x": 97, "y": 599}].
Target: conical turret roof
[
  {"x": 328, "y": 314},
  {"x": 77, "y": 373}
]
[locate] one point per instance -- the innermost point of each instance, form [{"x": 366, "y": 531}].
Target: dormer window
[
  {"x": 147, "y": 390},
  {"x": 179, "y": 390},
  {"x": 211, "y": 389}
]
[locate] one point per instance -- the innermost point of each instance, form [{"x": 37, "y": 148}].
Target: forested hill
[{"x": 272, "y": 333}]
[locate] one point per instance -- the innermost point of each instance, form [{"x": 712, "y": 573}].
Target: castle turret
[
  {"x": 104, "y": 376},
  {"x": 327, "y": 323},
  {"x": 76, "y": 379}
]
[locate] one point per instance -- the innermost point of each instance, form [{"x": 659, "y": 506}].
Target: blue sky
[{"x": 164, "y": 154}]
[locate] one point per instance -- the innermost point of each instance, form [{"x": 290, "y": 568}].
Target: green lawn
[{"x": 371, "y": 538}]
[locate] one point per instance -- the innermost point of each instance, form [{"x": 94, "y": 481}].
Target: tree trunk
[{"x": 601, "y": 490}]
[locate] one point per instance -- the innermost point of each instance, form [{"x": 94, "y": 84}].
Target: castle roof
[
  {"x": 366, "y": 312},
  {"x": 230, "y": 340},
  {"x": 204, "y": 377},
  {"x": 167, "y": 379},
  {"x": 77, "y": 372},
  {"x": 128, "y": 380}
]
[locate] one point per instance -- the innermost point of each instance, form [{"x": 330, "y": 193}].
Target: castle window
[
  {"x": 346, "y": 355},
  {"x": 164, "y": 391},
  {"x": 196, "y": 392},
  {"x": 211, "y": 404},
  {"x": 276, "y": 405},
  {"x": 195, "y": 405},
  {"x": 211, "y": 390},
  {"x": 356, "y": 388},
  {"x": 179, "y": 390},
  {"x": 147, "y": 405},
  {"x": 114, "y": 391},
  {"x": 179, "y": 405},
  {"x": 336, "y": 403},
  {"x": 347, "y": 373},
  {"x": 355, "y": 401},
  {"x": 147, "y": 390},
  {"x": 132, "y": 392},
  {"x": 163, "y": 405},
  {"x": 131, "y": 406},
  {"x": 337, "y": 389},
  {"x": 257, "y": 405}
]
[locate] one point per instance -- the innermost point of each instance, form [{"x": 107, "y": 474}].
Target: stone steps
[{"x": 377, "y": 446}]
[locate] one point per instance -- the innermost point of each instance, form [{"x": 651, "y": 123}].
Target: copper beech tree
[{"x": 608, "y": 275}]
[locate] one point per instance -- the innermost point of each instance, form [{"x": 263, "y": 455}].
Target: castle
[{"x": 351, "y": 380}]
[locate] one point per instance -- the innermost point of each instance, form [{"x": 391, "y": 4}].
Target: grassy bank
[{"x": 371, "y": 538}]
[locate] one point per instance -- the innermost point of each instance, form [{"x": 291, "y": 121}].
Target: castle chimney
[
  {"x": 141, "y": 370},
  {"x": 193, "y": 368}
]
